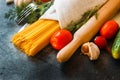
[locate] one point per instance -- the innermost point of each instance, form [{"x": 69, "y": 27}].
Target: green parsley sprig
[
  {"x": 85, "y": 17},
  {"x": 34, "y": 16}
]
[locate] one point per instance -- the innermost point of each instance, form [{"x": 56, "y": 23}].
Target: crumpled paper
[{"x": 67, "y": 11}]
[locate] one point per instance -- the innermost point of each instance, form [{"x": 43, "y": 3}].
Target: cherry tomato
[
  {"x": 109, "y": 29},
  {"x": 60, "y": 39},
  {"x": 100, "y": 41}
]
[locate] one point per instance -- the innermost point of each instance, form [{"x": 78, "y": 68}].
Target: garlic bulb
[
  {"x": 90, "y": 49},
  {"x": 20, "y": 2}
]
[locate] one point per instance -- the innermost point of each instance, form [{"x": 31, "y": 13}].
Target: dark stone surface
[{"x": 15, "y": 65}]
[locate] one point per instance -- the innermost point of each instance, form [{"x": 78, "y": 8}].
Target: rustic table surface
[{"x": 15, "y": 65}]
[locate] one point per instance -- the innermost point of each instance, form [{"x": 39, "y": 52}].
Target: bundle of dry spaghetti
[{"x": 36, "y": 36}]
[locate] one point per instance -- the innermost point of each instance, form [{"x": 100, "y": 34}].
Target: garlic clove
[
  {"x": 85, "y": 48},
  {"x": 91, "y": 50},
  {"x": 94, "y": 51}
]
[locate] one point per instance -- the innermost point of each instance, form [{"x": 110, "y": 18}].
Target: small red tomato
[
  {"x": 109, "y": 29},
  {"x": 60, "y": 39},
  {"x": 100, "y": 41}
]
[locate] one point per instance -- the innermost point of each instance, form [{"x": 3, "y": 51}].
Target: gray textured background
[{"x": 15, "y": 65}]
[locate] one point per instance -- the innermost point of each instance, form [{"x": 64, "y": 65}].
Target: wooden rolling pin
[{"x": 89, "y": 30}]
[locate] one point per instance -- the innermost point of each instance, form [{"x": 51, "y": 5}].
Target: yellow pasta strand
[
  {"x": 43, "y": 41},
  {"x": 36, "y": 36}
]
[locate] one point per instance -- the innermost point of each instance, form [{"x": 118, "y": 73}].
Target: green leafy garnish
[
  {"x": 14, "y": 13},
  {"x": 85, "y": 17}
]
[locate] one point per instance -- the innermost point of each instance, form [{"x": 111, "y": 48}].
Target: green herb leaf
[
  {"x": 14, "y": 12},
  {"x": 34, "y": 16},
  {"x": 85, "y": 17}
]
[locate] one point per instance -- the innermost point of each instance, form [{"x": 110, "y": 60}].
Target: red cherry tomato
[
  {"x": 109, "y": 29},
  {"x": 100, "y": 41},
  {"x": 60, "y": 39}
]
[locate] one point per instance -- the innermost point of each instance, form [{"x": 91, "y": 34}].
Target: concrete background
[{"x": 15, "y": 65}]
